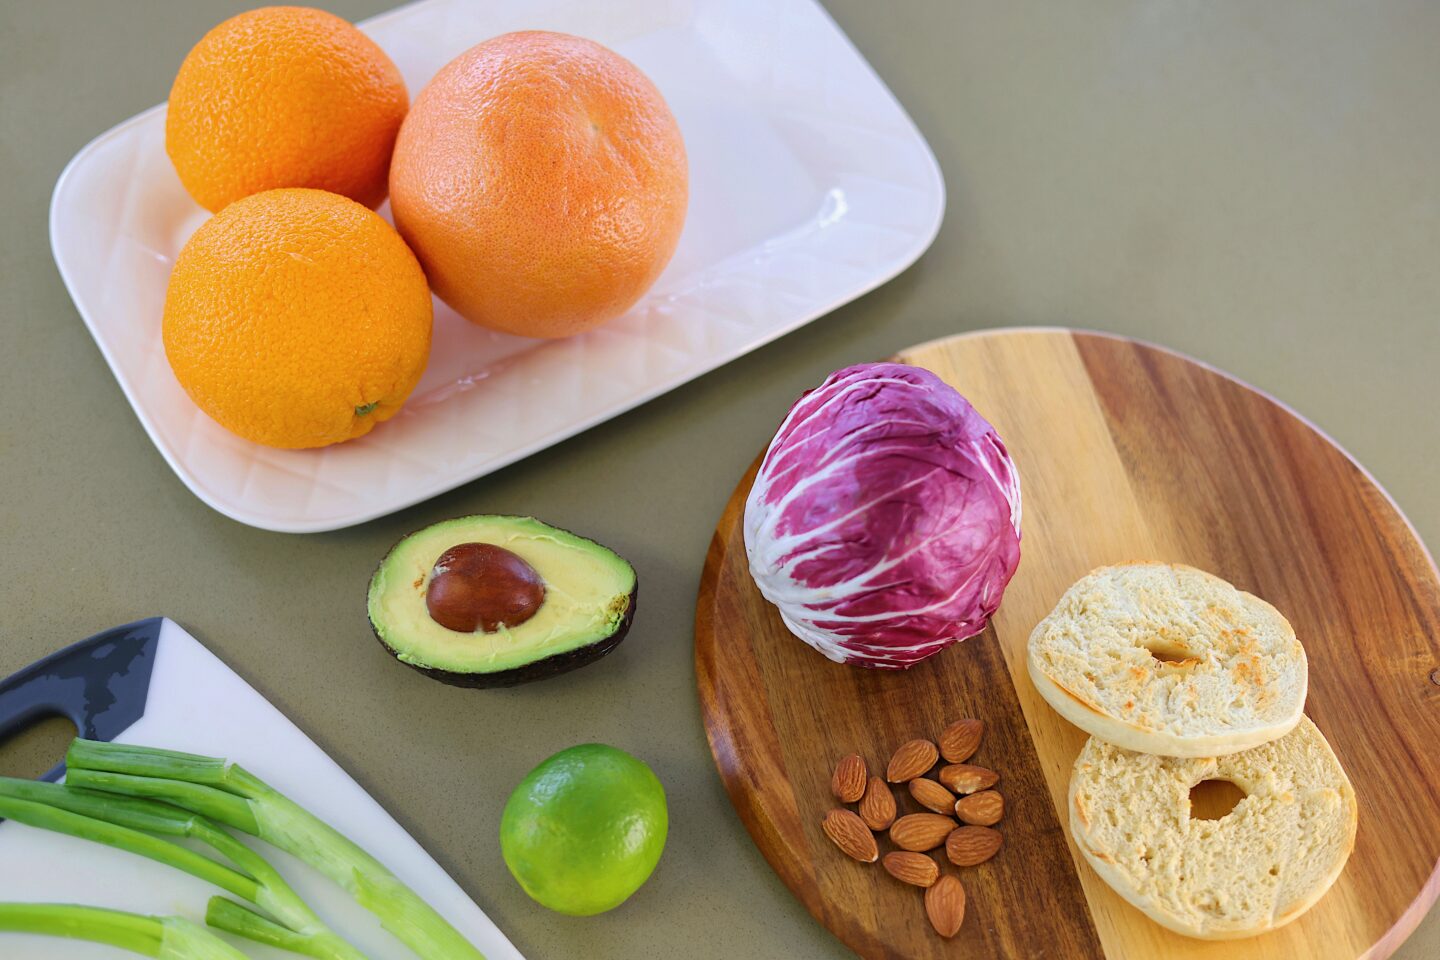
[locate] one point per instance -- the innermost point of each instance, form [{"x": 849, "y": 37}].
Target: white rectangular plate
[{"x": 808, "y": 187}]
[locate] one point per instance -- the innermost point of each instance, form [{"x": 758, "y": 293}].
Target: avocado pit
[{"x": 482, "y": 586}]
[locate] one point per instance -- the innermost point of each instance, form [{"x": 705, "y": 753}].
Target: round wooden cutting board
[{"x": 1125, "y": 451}]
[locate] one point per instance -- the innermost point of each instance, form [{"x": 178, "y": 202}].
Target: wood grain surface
[{"x": 1125, "y": 452}]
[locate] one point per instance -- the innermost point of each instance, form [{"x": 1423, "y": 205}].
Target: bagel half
[
  {"x": 1166, "y": 659},
  {"x": 1257, "y": 868}
]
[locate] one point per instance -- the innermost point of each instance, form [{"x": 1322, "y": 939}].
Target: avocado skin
[{"x": 542, "y": 669}]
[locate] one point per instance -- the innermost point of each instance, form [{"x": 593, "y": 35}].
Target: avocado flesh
[{"x": 589, "y": 596}]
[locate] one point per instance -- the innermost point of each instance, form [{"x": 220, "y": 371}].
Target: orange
[
  {"x": 297, "y": 318},
  {"x": 284, "y": 97},
  {"x": 541, "y": 180}
]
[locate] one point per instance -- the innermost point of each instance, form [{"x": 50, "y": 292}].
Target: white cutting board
[{"x": 195, "y": 703}]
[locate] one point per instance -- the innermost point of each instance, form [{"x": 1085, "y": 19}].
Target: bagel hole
[
  {"x": 1213, "y": 799},
  {"x": 1167, "y": 652}
]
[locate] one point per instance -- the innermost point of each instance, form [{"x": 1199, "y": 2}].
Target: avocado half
[{"x": 586, "y": 600}]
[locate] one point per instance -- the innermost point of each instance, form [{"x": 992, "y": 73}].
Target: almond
[
  {"x": 945, "y": 905},
  {"x": 960, "y": 740},
  {"x": 911, "y": 761},
  {"x": 983, "y": 809},
  {"x": 920, "y": 831},
  {"x": 848, "y": 783},
  {"x": 915, "y": 869},
  {"x": 849, "y": 833},
  {"x": 932, "y": 796},
  {"x": 967, "y": 778},
  {"x": 969, "y": 846},
  {"x": 877, "y": 807}
]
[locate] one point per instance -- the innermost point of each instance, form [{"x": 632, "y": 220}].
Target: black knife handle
[{"x": 100, "y": 685}]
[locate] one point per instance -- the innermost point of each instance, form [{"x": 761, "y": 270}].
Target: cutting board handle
[{"x": 99, "y": 684}]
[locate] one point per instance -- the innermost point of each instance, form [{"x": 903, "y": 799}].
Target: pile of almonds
[{"x": 960, "y": 791}]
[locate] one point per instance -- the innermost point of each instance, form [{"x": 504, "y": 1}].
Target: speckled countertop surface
[{"x": 1252, "y": 184}]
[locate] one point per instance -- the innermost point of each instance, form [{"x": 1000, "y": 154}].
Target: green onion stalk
[
  {"x": 127, "y": 823},
  {"x": 227, "y": 793},
  {"x": 165, "y": 938}
]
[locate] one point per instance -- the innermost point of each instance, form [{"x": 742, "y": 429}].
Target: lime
[{"x": 584, "y": 829}]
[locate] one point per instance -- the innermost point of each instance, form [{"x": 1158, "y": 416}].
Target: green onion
[
  {"x": 117, "y": 821},
  {"x": 198, "y": 784},
  {"x": 165, "y": 938},
  {"x": 240, "y": 920},
  {"x": 87, "y": 828},
  {"x": 206, "y": 801}
]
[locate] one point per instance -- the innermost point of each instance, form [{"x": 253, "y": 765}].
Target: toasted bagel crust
[
  {"x": 1167, "y": 659},
  {"x": 1257, "y": 868}
]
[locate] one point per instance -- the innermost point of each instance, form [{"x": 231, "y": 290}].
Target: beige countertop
[{"x": 1252, "y": 184}]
